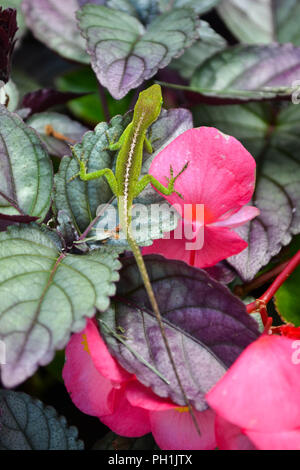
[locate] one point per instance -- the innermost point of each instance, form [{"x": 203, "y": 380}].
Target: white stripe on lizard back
[{"x": 129, "y": 164}]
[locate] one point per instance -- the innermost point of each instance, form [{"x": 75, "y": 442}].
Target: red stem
[{"x": 260, "y": 304}]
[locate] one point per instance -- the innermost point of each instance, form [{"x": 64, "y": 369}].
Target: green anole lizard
[{"x": 126, "y": 185}]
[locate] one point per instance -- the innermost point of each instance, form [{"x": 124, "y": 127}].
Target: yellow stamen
[
  {"x": 85, "y": 344},
  {"x": 182, "y": 409}
]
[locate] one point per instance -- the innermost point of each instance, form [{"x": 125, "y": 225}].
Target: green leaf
[
  {"x": 124, "y": 53},
  {"x": 79, "y": 80},
  {"x": 45, "y": 295},
  {"x": 262, "y": 21},
  {"x": 207, "y": 45},
  {"x": 89, "y": 108},
  {"x": 61, "y": 124},
  {"x": 294, "y": 247},
  {"x": 53, "y": 23},
  {"x": 272, "y": 137},
  {"x": 27, "y": 424},
  {"x": 26, "y": 175},
  {"x": 287, "y": 299}
]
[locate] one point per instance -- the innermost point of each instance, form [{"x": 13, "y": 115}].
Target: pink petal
[
  {"x": 230, "y": 437},
  {"x": 220, "y": 174},
  {"x": 285, "y": 440},
  {"x": 260, "y": 392},
  {"x": 103, "y": 360},
  {"x": 169, "y": 248},
  {"x": 139, "y": 395},
  {"x": 175, "y": 430},
  {"x": 92, "y": 393},
  {"x": 245, "y": 214},
  {"x": 127, "y": 420},
  {"x": 219, "y": 244}
]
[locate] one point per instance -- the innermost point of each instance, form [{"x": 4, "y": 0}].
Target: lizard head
[{"x": 148, "y": 106}]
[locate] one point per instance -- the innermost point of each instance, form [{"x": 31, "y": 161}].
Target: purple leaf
[
  {"x": 43, "y": 99},
  {"x": 207, "y": 327},
  {"x": 221, "y": 272},
  {"x": 53, "y": 23},
  {"x": 221, "y": 98},
  {"x": 124, "y": 53},
  {"x": 249, "y": 72},
  {"x": 8, "y": 29}
]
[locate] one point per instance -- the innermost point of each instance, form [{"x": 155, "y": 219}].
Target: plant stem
[{"x": 260, "y": 304}]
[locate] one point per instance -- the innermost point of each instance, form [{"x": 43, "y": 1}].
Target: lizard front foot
[
  {"x": 82, "y": 162},
  {"x": 172, "y": 179}
]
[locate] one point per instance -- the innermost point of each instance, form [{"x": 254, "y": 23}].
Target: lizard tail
[{"x": 143, "y": 271}]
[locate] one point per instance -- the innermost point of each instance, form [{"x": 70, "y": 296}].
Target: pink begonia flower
[
  {"x": 221, "y": 176},
  {"x": 257, "y": 401},
  {"x": 100, "y": 387}
]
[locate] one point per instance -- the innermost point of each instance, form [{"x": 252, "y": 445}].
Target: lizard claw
[
  {"x": 182, "y": 170},
  {"x": 179, "y": 194}
]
